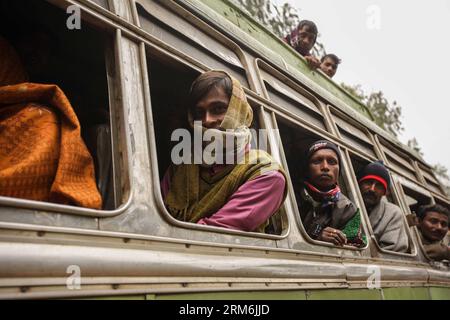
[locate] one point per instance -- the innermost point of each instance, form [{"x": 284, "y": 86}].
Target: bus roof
[{"x": 237, "y": 23}]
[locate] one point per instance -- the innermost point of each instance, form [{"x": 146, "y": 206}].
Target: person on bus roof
[
  {"x": 302, "y": 39},
  {"x": 329, "y": 64},
  {"x": 240, "y": 196},
  {"x": 385, "y": 217},
  {"x": 327, "y": 214},
  {"x": 42, "y": 155},
  {"x": 433, "y": 227}
]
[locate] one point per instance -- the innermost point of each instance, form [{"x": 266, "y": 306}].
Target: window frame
[
  {"x": 116, "y": 111},
  {"x": 398, "y": 202},
  {"x": 161, "y": 208}
]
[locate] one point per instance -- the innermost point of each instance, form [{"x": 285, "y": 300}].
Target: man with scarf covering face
[
  {"x": 240, "y": 196},
  {"x": 326, "y": 213}
]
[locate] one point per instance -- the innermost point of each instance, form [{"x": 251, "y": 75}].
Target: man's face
[
  {"x": 324, "y": 169},
  {"x": 329, "y": 67},
  {"x": 306, "y": 40},
  {"x": 434, "y": 226},
  {"x": 211, "y": 109},
  {"x": 372, "y": 191}
]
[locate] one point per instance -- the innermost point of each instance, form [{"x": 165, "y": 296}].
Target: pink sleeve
[
  {"x": 252, "y": 204},
  {"x": 165, "y": 184}
]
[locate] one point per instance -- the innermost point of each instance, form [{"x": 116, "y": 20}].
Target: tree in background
[
  {"x": 281, "y": 20},
  {"x": 439, "y": 170},
  {"x": 387, "y": 115},
  {"x": 284, "y": 18}
]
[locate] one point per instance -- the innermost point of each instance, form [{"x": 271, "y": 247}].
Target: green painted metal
[
  {"x": 400, "y": 293},
  {"x": 232, "y": 13},
  {"x": 439, "y": 293},
  {"x": 134, "y": 297},
  {"x": 406, "y": 294},
  {"x": 248, "y": 295},
  {"x": 344, "y": 294}
]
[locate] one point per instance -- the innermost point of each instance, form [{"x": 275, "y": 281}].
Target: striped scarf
[{"x": 325, "y": 198}]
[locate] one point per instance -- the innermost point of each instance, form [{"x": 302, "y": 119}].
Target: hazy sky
[{"x": 407, "y": 57}]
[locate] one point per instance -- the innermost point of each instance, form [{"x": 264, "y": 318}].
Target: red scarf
[{"x": 325, "y": 197}]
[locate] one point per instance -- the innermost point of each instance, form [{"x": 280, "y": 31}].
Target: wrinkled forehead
[
  {"x": 325, "y": 153},
  {"x": 307, "y": 28},
  {"x": 329, "y": 60},
  {"x": 436, "y": 215}
]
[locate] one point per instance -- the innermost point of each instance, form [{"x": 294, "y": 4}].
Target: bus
[{"x": 126, "y": 66}]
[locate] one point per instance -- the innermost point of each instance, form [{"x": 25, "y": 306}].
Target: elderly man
[
  {"x": 433, "y": 227},
  {"x": 327, "y": 214},
  {"x": 385, "y": 218},
  {"x": 42, "y": 154},
  {"x": 241, "y": 196}
]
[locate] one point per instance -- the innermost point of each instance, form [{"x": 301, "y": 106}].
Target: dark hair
[
  {"x": 333, "y": 57},
  {"x": 207, "y": 81},
  {"x": 423, "y": 210},
  {"x": 309, "y": 24}
]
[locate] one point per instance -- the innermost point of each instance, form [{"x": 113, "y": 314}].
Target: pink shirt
[{"x": 252, "y": 204}]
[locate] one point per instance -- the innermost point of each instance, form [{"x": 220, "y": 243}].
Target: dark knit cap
[
  {"x": 322, "y": 144},
  {"x": 376, "y": 171}
]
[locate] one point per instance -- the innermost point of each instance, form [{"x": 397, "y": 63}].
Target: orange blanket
[{"x": 42, "y": 154}]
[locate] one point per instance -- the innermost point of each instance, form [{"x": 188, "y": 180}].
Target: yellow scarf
[{"x": 194, "y": 195}]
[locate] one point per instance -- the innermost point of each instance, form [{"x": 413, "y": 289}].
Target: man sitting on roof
[
  {"x": 329, "y": 64},
  {"x": 303, "y": 39},
  {"x": 433, "y": 227},
  {"x": 42, "y": 154},
  {"x": 385, "y": 217}
]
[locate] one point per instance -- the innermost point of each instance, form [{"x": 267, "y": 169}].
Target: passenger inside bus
[
  {"x": 329, "y": 64},
  {"x": 240, "y": 196},
  {"x": 327, "y": 214},
  {"x": 42, "y": 154},
  {"x": 385, "y": 217},
  {"x": 302, "y": 39},
  {"x": 433, "y": 226}
]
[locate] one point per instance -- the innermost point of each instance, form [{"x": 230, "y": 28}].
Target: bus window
[
  {"x": 75, "y": 61},
  {"x": 354, "y": 135},
  {"x": 170, "y": 83},
  {"x": 296, "y": 141},
  {"x": 399, "y": 161},
  {"x": 397, "y": 239},
  {"x": 290, "y": 99},
  {"x": 415, "y": 199},
  {"x": 430, "y": 179},
  {"x": 102, "y": 3},
  {"x": 200, "y": 45}
]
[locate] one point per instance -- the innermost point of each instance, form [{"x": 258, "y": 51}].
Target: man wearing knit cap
[
  {"x": 385, "y": 217},
  {"x": 327, "y": 214}
]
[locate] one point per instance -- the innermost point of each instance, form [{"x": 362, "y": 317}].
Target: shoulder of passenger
[
  {"x": 393, "y": 211},
  {"x": 344, "y": 202}
]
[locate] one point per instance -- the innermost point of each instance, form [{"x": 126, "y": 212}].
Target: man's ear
[{"x": 412, "y": 219}]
